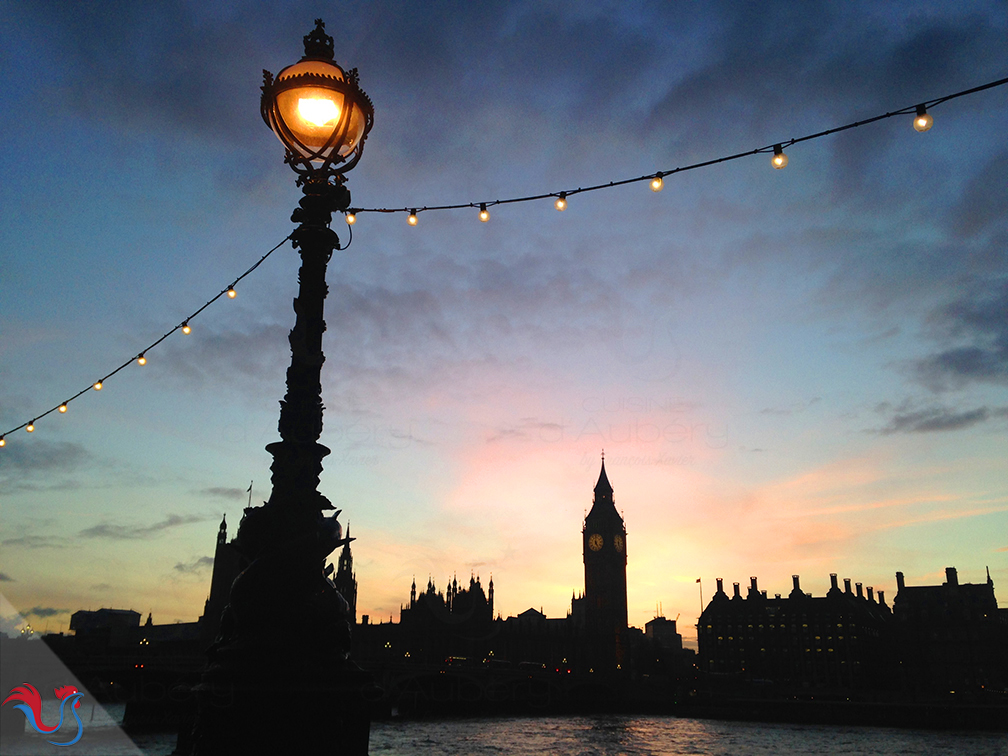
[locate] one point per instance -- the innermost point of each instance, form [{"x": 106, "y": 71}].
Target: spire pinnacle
[{"x": 603, "y": 486}]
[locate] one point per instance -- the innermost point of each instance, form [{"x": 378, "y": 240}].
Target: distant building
[
  {"x": 226, "y": 566},
  {"x": 105, "y": 628},
  {"x": 594, "y": 637},
  {"x": 455, "y": 623},
  {"x": 662, "y": 633},
  {"x": 836, "y": 642},
  {"x": 952, "y": 638},
  {"x": 346, "y": 580},
  {"x": 605, "y": 596},
  {"x": 119, "y": 630}
]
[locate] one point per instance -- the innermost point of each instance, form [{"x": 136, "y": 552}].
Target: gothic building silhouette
[
  {"x": 604, "y": 552},
  {"x": 346, "y": 579},
  {"x": 226, "y": 566},
  {"x": 450, "y": 653},
  {"x": 457, "y": 627}
]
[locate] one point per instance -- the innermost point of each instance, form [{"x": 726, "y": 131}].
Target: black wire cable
[
  {"x": 681, "y": 169},
  {"x": 131, "y": 360},
  {"x": 350, "y": 240}
]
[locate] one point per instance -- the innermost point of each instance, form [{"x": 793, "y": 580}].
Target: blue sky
[{"x": 801, "y": 371}]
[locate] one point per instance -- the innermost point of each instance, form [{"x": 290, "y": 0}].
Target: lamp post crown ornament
[{"x": 318, "y": 44}]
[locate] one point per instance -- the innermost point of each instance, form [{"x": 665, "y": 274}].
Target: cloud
[
  {"x": 936, "y": 419},
  {"x": 36, "y": 542},
  {"x": 46, "y": 466},
  {"x": 41, "y": 456},
  {"x": 249, "y": 360},
  {"x": 984, "y": 202},
  {"x": 794, "y": 408},
  {"x": 5, "y": 578},
  {"x": 198, "y": 566},
  {"x": 525, "y": 428},
  {"x": 981, "y": 320},
  {"x": 132, "y": 532},
  {"x": 225, "y": 493},
  {"x": 149, "y": 67},
  {"x": 770, "y": 54},
  {"x": 45, "y": 611}
]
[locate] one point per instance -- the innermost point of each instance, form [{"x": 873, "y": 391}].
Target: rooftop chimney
[
  {"x": 846, "y": 585},
  {"x": 720, "y": 585},
  {"x": 950, "y": 576},
  {"x": 833, "y": 582},
  {"x": 752, "y": 584},
  {"x": 858, "y": 586},
  {"x": 794, "y": 579},
  {"x": 871, "y": 594},
  {"x": 736, "y": 587},
  {"x": 881, "y": 598},
  {"x": 900, "y": 585}
]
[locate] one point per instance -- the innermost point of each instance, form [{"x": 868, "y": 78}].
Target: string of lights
[
  {"x": 922, "y": 121},
  {"x": 141, "y": 358}
]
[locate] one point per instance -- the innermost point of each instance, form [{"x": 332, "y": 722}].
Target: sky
[{"x": 791, "y": 372}]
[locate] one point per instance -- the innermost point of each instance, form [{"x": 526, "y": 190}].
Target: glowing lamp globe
[{"x": 317, "y": 110}]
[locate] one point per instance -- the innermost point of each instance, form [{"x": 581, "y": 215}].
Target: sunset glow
[{"x": 790, "y": 372}]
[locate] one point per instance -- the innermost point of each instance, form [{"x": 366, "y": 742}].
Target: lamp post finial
[{"x": 318, "y": 44}]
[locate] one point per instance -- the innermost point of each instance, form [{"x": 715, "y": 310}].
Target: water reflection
[{"x": 666, "y": 736}]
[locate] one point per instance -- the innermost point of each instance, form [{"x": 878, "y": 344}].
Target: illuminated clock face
[
  {"x": 595, "y": 542},
  {"x": 618, "y": 543}
]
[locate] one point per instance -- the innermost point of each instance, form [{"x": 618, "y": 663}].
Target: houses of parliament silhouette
[{"x": 449, "y": 652}]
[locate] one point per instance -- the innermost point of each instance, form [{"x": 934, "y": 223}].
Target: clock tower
[{"x": 604, "y": 547}]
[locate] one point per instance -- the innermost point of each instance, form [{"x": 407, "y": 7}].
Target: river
[{"x": 591, "y": 736}]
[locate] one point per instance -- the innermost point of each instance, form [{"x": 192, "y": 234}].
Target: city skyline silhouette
[{"x": 795, "y": 371}]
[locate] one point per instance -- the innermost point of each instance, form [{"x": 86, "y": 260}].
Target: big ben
[{"x": 605, "y": 559}]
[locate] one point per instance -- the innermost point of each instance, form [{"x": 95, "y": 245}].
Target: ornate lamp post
[{"x": 278, "y": 678}]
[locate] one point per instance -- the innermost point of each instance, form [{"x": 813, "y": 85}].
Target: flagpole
[
  {"x": 700, "y": 582},
  {"x": 250, "y": 493}
]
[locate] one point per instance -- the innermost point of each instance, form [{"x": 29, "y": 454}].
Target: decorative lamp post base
[{"x": 282, "y": 700}]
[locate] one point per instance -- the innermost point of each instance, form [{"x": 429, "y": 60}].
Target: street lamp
[
  {"x": 268, "y": 689},
  {"x": 318, "y": 110}
]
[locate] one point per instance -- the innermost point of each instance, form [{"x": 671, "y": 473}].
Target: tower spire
[{"x": 603, "y": 486}]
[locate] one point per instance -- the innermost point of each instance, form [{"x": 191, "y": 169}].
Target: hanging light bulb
[
  {"x": 141, "y": 360},
  {"x": 63, "y": 407},
  {"x": 656, "y": 183},
  {"x": 779, "y": 159},
  {"x": 351, "y": 218},
  {"x": 561, "y": 202},
  {"x": 30, "y": 427},
  {"x": 3, "y": 441},
  {"x": 186, "y": 329},
  {"x": 412, "y": 220},
  {"x": 97, "y": 386},
  {"x": 923, "y": 120},
  {"x": 484, "y": 215},
  {"x": 231, "y": 292}
]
